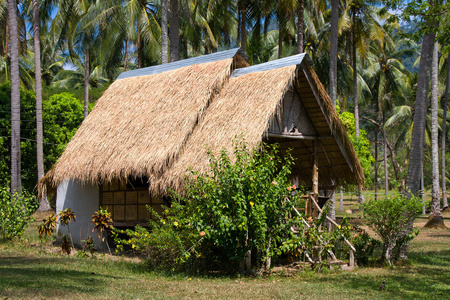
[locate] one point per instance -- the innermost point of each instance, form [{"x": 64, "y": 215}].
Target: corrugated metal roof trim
[
  {"x": 274, "y": 64},
  {"x": 183, "y": 63}
]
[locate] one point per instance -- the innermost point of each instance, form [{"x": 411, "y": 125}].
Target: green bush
[
  {"x": 15, "y": 213},
  {"x": 239, "y": 205},
  {"x": 388, "y": 217}
]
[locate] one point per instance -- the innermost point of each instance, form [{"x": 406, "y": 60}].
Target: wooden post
[
  {"x": 315, "y": 179},
  {"x": 351, "y": 262}
]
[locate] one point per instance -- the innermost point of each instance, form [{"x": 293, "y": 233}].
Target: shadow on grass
[
  {"x": 398, "y": 286},
  {"x": 432, "y": 258},
  {"x": 47, "y": 277}
]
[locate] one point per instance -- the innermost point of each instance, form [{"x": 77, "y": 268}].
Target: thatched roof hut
[{"x": 155, "y": 123}]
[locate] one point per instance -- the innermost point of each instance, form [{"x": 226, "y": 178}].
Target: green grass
[{"x": 27, "y": 273}]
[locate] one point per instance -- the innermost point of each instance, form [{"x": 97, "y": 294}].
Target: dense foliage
[
  {"x": 388, "y": 217},
  {"x": 63, "y": 113},
  {"x": 15, "y": 213}
]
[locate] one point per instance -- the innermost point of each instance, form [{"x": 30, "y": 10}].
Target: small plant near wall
[
  {"x": 87, "y": 246},
  {"x": 65, "y": 217},
  {"x": 102, "y": 221},
  {"x": 46, "y": 228}
]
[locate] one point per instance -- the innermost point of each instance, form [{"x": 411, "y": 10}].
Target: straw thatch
[
  {"x": 140, "y": 124},
  {"x": 243, "y": 107},
  {"x": 160, "y": 125}
]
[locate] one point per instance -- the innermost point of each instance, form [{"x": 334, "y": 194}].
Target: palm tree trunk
[
  {"x": 243, "y": 32},
  {"x": 386, "y": 174},
  {"x": 444, "y": 136},
  {"x": 173, "y": 30},
  {"x": 280, "y": 41},
  {"x": 86, "y": 82},
  {"x": 376, "y": 163},
  {"x": 334, "y": 50},
  {"x": 125, "y": 60},
  {"x": 164, "y": 39},
  {"x": 300, "y": 12},
  {"x": 355, "y": 78},
  {"x": 355, "y": 94},
  {"x": 333, "y": 77},
  {"x": 16, "y": 183},
  {"x": 140, "y": 50},
  {"x": 435, "y": 199},
  {"x": 341, "y": 199},
  {"x": 43, "y": 202},
  {"x": 418, "y": 133}
]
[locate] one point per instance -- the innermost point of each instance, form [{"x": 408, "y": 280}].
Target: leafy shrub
[
  {"x": 388, "y": 217},
  {"x": 364, "y": 245},
  {"x": 240, "y": 205},
  {"x": 164, "y": 246},
  {"x": 15, "y": 213}
]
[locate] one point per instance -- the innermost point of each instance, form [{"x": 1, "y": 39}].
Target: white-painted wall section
[{"x": 83, "y": 200}]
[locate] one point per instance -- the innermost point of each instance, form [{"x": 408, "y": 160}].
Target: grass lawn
[{"x": 25, "y": 272}]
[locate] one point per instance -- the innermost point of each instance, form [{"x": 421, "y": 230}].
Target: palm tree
[
  {"x": 334, "y": 50},
  {"x": 443, "y": 137},
  {"x": 174, "y": 31},
  {"x": 389, "y": 80},
  {"x": 43, "y": 203},
  {"x": 435, "y": 199},
  {"x": 164, "y": 39},
  {"x": 16, "y": 183}
]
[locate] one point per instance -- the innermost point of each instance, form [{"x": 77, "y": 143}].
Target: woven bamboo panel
[
  {"x": 131, "y": 197},
  {"x": 143, "y": 197},
  {"x": 108, "y": 198},
  {"x": 131, "y": 213},
  {"x": 119, "y": 198},
  {"x": 143, "y": 213},
  {"x": 119, "y": 213}
]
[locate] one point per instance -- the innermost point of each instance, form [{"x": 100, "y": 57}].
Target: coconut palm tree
[
  {"x": 388, "y": 79},
  {"x": 435, "y": 199},
  {"x": 16, "y": 183},
  {"x": 43, "y": 203}
]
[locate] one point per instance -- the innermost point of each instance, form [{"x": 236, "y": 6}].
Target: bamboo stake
[{"x": 336, "y": 224}]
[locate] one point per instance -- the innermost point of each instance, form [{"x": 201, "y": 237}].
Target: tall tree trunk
[
  {"x": 280, "y": 41},
  {"x": 125, "y": 60},
  {"x": 86, "y": 82},
  {"x": 16, "y": 183},
  {"x": 334, "y": 50},
  {"x": 435, "y": 199},
  {"x": 43, "y": 202},
  {"x": 164, "y": 39},
  {"x": 355, "y": 77},
  {"x": 355, "y": 94},
  {"x": 333, "y": 78},
  {"x": 300, "y": 13},
  {"x": 140, "y": 50},
  {"x": 174, "y": 30},
  {"x": 341, "y": 199},
  {"x": 243, "y": 32},
  {"x": 386, "y": 174},
  {"x": 444, "y": 136},
  {"x": 376, "y": 163},
  {"x": 418, "y": 133}
]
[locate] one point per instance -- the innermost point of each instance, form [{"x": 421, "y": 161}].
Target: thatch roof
[
  {"x": 159, "y": 125},
  {"x": 243, "y": 107}
]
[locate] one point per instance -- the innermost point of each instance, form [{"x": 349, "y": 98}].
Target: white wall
[{"x": 83, "y": 200}]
